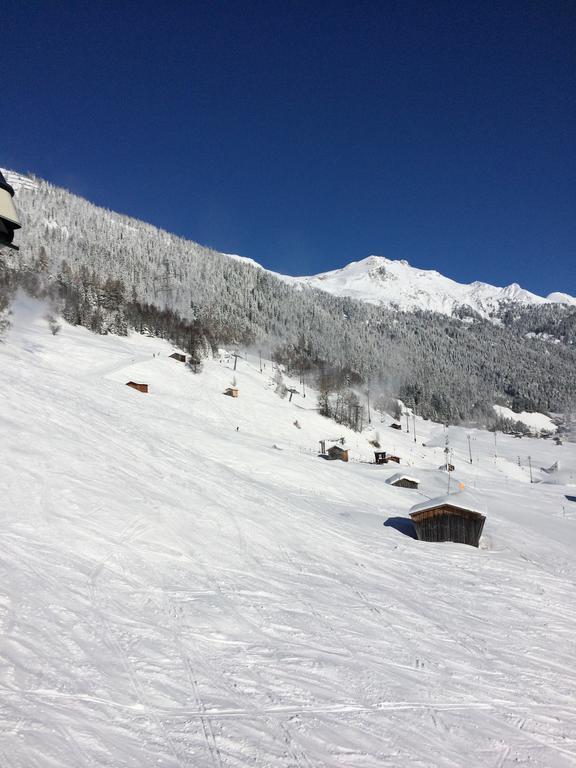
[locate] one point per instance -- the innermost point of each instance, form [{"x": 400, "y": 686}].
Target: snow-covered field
[
  {"x": 175, "y": 592},
  {"x": 534, "y": 421}
]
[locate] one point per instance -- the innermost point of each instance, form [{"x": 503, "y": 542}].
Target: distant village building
[
  {"x": 395, "y": 459},
  {"x": 139, "y": 387},
  {"x": 178, "y": 356},
  {"x": 338, "y": 452},
  {"x": 403, "y": 481},
  {"x": 232, "y": 392},
  {"x": 380, "y": 457},
  {"x": 396, "y": 426},
  {"x": 455, "y": 518}
]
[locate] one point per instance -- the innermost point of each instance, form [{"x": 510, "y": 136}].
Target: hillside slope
[
  {"x": 179, "y": 593},
  {"x": 376, "y": 279}
]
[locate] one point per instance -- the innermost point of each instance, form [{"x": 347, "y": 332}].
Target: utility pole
[
  {"x": 357, "y": 422},
  {"x": 235, "y": 355},
  {"x": 530, "y": 465},
  {"x": 414, "y": 425},
  {"x": 260, "y": 356},
  {"x": 495, "y": 445},
  {"x": 407, "y": 423},
  {"x": 303, "y": 384},
  {"x": 469, "y": 449},
  {"x": 368, "y": 399}
]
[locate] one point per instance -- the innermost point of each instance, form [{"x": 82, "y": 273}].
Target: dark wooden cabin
[
  {"x": 380, "y": 457},
  {"x": 403, "y": 481},
  {"x": 178, "y": 356},
  {"x": 448, "y": 518},
  {"x": 396, "y": 426},
  {"x": 139, "y": 387},
  {"x": 232, "y": 392},
  {"x": 338, "y": 452},
  {"x": 395, "y": 459}
]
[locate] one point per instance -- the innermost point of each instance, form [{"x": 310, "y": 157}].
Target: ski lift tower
[{"x": 8, "y": 217}]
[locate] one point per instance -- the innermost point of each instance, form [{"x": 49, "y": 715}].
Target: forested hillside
[{"x": 108, "y": 272}]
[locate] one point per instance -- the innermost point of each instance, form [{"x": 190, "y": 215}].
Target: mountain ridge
[{"x": 395, "y": 283}]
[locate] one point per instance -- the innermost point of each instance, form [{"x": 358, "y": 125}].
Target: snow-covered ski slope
[{"x": 178, "y": 593}]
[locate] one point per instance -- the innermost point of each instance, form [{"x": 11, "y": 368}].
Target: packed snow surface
[{"x": 178, "y": 592}]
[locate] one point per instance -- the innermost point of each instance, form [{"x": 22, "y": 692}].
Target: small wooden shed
[
  {"x": 396, "y": 426},
  {"x": 395, "y": 459},
  {"x": 139, "y": 387},
  {"x": 338, "y": 452},
  {"x": 455, "y": 517},
  {"x": 232, "y": 392},
  {"x": 178, "y": 356},
  {"x": 380, "y": 457},
  {"x": 403, "y": 481}
]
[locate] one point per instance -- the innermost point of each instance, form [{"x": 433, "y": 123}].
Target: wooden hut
[
  {"x": 232, "y": 392},
  {"x": 380, "y": 457},
  {"x": 403, "y": 481},
  {"x": 455, "y": 517},
  {"x": 338, "y": 452},
  {"x": 139, "y": 387},
  {"x": 396, "y": 426},
  {"x": 328, "y": 441},
  {"x": 395, "y": 459},
  {"x": 178, "y": 356}
]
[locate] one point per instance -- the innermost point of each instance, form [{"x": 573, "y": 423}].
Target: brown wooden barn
[
  {"x": 139, "y": 387},
  {"x": 449, "y": 518},
  {"x": 338, "y": 452},
  {"x": 232, "y": 392},
  {"x": 395, "y": 459},
  {"x": 178, "y": 356},
  {"x": 403, "y": 481},
  {"x": 380, "y": 457}
]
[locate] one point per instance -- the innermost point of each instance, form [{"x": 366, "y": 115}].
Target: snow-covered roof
[
  {"x": 340, "y": 447},
  {"x": 400, "y": 476},
  {"x": 461, "y": 499}
]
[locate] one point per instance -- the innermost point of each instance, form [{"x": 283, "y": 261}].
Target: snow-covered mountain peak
[
  {"x": 380, "y": 280},
  {"x": 561, "y": 298}
]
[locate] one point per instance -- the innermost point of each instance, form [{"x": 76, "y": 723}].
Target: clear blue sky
[{"x": 309, "y": 134}]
